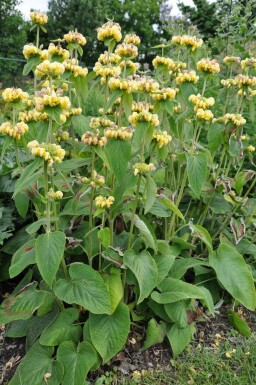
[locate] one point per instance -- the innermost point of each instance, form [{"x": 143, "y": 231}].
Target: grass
[{"x": 232, "y": 362}]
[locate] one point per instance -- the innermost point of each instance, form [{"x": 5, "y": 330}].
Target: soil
[{"x": 131, "y": 358}]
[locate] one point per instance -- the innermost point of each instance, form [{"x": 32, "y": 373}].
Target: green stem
[
  {"x": 48, "y": 211},
  {"x": 91, "y": 208},
  {"x": 100, "y": 246},
  {"x": 134, "y": 212},
  {"x": 204, "y": 86},
  {"x": 17, "y": 155}
]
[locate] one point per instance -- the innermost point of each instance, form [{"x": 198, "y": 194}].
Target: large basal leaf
[
  {"x": 23, "y": 257},
  {"x": 85, "y": 288},
  {"x": 118, "y": 153},
  {"x": 113, "y": 282},
  {"x": 77, "y": 361},
  {"x": 197, "y": 171},
  {"x": 177, "y": 311},
  {"x": 22, "y": 305},
  {"x": 62, "y": 329},
  {"x": 145, "y": 270},
  {"x": 36, "y": 363},
  {"x": 234, "y": 275},
  {"x": 173, "y": 290},
  {"x": 180, "y": 338},
  {"x": 49, "y": 252},
  {"x": 109, "y": 332},
  {"x": 155, "y": 334}
]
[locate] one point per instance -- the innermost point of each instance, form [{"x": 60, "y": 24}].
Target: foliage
[{"x": 145, "y": 211}]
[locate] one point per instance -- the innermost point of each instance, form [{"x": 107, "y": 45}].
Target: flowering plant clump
[
  {"x": 39, "y": 18},
  {"x": 140, "y": 210}
]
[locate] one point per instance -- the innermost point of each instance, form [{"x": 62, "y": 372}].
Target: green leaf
[
  {"x": 109, "y": 332},
  {"x": 180, "y": 338},
  {"x": 31, "y": 63},
  {"x": 104, "y": 236},
  {"x": 76, "y": 361},
  {"x": 173, "y": 290},
  {"x": 81, "y": 124},
  {"x": 215, "y": 136},
  {"x": 22, "y": 305},
  {"x": 118, "y": 153},
  {"x": 54, "y": 113},
  {"x": 22, "y": 203},
  {"x": 71, "y": 164},
  {"x": 150, "y": 191},
  {"x": 126, "y": 103},
  {"x": 181, "y": 265},
  {"x": 239, "y": 324},
  {"x": 242, "y": 178},
  {"x": 177, "y": 311},
  {"x": 201, "y": 233},
  {"x": 23, "y": 257},
  {"x": 62, "y": 329},
  {"x": 164, "y": 261},
  {"x": 197, "y": 171},
  {"x": 114, "y": 285},
  {"x": 140, "y": 132},
  {"x": 145, "y": 232},
  {"x": 85, "y": 288},
  {"x": 36, "y": 363},
  {"x": 171, "y": 205},
  {"x": 28, "y": 177},
  {"x": 145, "y": 270},
  {"x": 49, "y": 252},
  {"x": 35, "y": 226},
  {"x": 234, "y": 275},
  {"x": 155, "y": 334}
]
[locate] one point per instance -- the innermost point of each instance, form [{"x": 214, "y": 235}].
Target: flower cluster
[
  {"x": 144, "y": 116},
  {"x": 142, "y": 106},
  {"x": 72, "y": 66},
  {"x": 61, "y": 136},
  {"x": 236, "y": 119},
  {"x": 105, "y": 70},
  {"x": 249, "y": 62},
  {"x": 250, "y": 148},
  {"x": 132, "y": 39},
  {"x": 208, "y": 66},
  {"x": 14, "y": 95},
  {"x": 75, "y": 37},
  {"x": 54, "y": 194},
  {"x": 57, "y": 50},
  {"x": 143, "y": 168},
  {"x": 73, "y": 112},
  {"x": 109, "y": 30},
  {"x": 164, "y": 94},
  {"x": 52, "y": 100},
  {"x": 46, "y": 68},
  {"x": 123, "y": 133},
  {"x": 49, "y": 152},
  {"x": 33, "y": 116},
  {"x": 187, "y": 77},
  {"x": 191, "y": 42},
  {"x": 93, "y": 139},
  {"x": 30, "y": 50},
  {"x": 146, "y": 84},
  {"x": 245, "y": 81},
  {"x": 39, "y": 18},
  {"x": 16, "y": 131},
  {"x": 128, "y": 85},
  {"x": 104, "y": 202},
  {"x": 201, "y": 102},
  {"x": 126, "y": 50},
  {"x": 204, "y": 114},
  {"x": 160, "y": 61},
  {"x": 228, "y": 82},
  {"x": 100, "y": 122},
  {"x": 230, "y": 60},
  {"x": 161, "y": 138},
  {"x": 96, "y": 180},
  {"x": 106, "y": 58},
  {"x": 128, "y": 64}
]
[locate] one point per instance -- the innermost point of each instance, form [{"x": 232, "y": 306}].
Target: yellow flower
[
  {"x": 187, "y": 76},
  {"x": 94, "y": 139},
  {"x": 106, "y": 58},
  {"x": 75, "y": 37},
  {"x": 58, "y": 51},
  {"x": 191, "y": 42},
  {"x": 123, "y": 133},
  {"x": 159, "y": 61},
  {"x": 144, "y": 116},
  {"x": 109, "y": 30},
  {"x": 229, "y": 60},
  {"x": 105, "y": 70},
  {"x": 201, "y": 102},
  {"x": 142, "y": 106},
  {"x": 250, "y": 148},
  {"x": 129, "y": 85},
  {"x": 245, "y": 81},
  {"x": 54, "y": 194},
  {"x": 228, "y": 82},
  {"x": 39, "y": 18},
  {"x": 16, "y": 131},
  {"x": 132, "y": 39},
  {"x": 204, "y": 114},
  {"x": 72, "y": 65},
  {"x": 104, "y": 202},
  {"x": 208, "y": 66},
  {"x": 126, "y": 50},
  {"x": 161, "y": 138},
  {"x": 143, "y": 168},
  {"x": 249, "y": 62},
  {"x": 46, "y": 68},
  {"x": 49, "y": 152},
  {"x": 14, "y": 95}
]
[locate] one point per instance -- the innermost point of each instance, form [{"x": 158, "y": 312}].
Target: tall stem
[
  {"x": 48, "y": 211},
  {"x": 91, "y": 208},
  {"x": 134, "y": 211}
]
